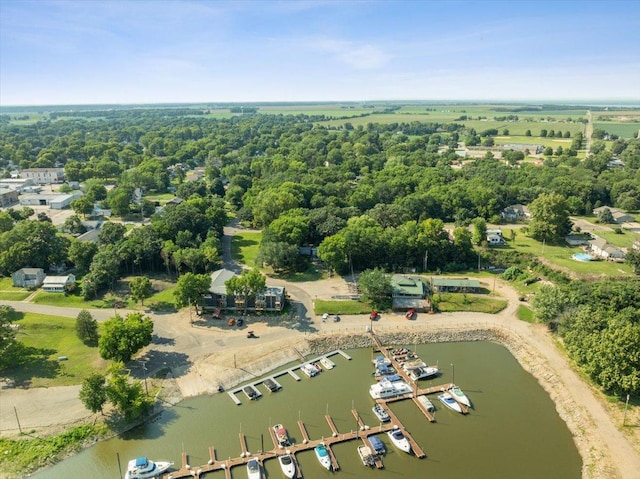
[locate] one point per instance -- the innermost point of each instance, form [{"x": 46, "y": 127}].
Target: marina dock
[
  {"x": 291, "y": 372},
  {"x": 186, "y": 470}
]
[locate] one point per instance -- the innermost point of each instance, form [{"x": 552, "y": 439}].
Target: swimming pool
[{"x": 582, "y": 257}]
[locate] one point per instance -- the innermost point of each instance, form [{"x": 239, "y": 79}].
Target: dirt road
[{"x": 206, "y": 354}]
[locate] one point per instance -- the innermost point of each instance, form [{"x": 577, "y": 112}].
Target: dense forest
[{"x": 376, "y": 195}]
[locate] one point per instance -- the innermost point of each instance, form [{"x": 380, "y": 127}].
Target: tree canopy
[{"x": 123, "y": 337}]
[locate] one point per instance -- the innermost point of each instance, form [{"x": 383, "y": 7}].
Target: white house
[
  {"x": 59, "y": 284},
  {"x": 599, "y": 247}
]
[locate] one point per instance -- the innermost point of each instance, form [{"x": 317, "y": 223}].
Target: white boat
[
  {"x": 310, "y": 369},
  {"x": 253, "y": 469},
  {"x": 423, "y": 373},
  {"x": 459, "y": 396},
  {"x": 323, "y": 456},
  {"x": 447, "y": 400},
  {"x": 143, "y": 468},
  {"x": 413, "y": 364},
  {"x": 381, "y": 361},
  {"x": 288, "y": 465},
  {"x": 365, "y": 455},
  {"x": 387, "y": 389},
  {"x": 398, "y": 440},
  {"x": 327, "y": 363},
  {"x": 281, "y": 435},
  {"x": 426, "y": 402},
  {"x": 380, "y": 413}
]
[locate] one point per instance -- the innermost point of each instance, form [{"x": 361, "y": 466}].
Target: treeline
[{"x": 599, "y": 323}]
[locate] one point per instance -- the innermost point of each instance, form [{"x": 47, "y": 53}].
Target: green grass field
[
  {"x": 244, "y": 247},
  {"x": 321, "y": 306},
  {"x": 561, "y": 256},
  {"x": 48, "y": 338},
  {"x": 162, "y": 301},
  {"x": 8, "y": 292},
  {"x": 524, "y": 313},
  {"x": 451, "y": 302},
  {"x": 623, "y": 130}
]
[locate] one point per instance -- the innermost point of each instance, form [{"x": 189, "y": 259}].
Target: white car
[{"x": 325, "y": 316}]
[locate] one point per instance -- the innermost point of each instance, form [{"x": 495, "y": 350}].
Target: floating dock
[
  {"x": 291, "y": 372},
  {"x": 186, "y": 470}
]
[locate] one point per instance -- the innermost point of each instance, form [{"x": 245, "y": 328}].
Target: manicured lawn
[
  {"x": 6, "y": 283},
  {"x": 624, "y": 240},
  {"x": 524, "y": 313},
  {"x": 48, "y": 338},
  {"x": 162, "y": 301},
  {"x": 14, "y": 295},
  {"x": 340, "y": 307},
  {"x": 451, "y": 302},
  {"x": 244, "y": 247},
  {"x": 73, "y": 300},
  {"x": 561, "y": 256}
]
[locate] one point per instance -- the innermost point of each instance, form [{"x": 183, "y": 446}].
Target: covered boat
[
  {"x": 310, "y": 369},
  {"x": 327, "y": 363},
  {"x": 387, "y": 389},
  {"x": 253, "y": 469},
  {"x": 377, "y": 444}
]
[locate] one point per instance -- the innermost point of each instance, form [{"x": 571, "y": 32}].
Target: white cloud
[{"x": 362, "y": 56}]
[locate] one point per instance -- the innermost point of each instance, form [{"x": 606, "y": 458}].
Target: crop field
[
  {"x": 623, "y": 130},
  {"x": 533, "y": 140}
]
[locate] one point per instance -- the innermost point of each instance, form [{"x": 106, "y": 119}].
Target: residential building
[
  {"x": 574, "y": 239},
  {"x": 59, "y": 284},
  {"x": 600, "y": 248},
  {"x": 28, "y": 277},
  {"x": 44, "y": 176},
  {"x": 271, "y": 299},
  {"x": 515, "y": 213},
  {"x": 619, "y": 216}
]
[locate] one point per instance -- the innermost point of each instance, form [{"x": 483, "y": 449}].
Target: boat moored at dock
[
  {"x": 366, "y": 456},
  {"x": 323, "y": 456},
  {"x": 310, "y": 369},
  {"x": 387, "y": 389},
  {"x": 380, "y": 413},
  {"x": 377, "y": 444},
  {"x": 399, "y": 440},
  {"x": 459, "y": 396},
  {"x": 447, "y": 400},
  {"x": 327, "y": 363},
  {"x": 288, "y": 465},
  {"x": 423, "y": 373},
  {"x": 426, "y": 402},
  {"x": 271, "y": 385},
  {"x": 143, "y": 468},
  {"x": 281, "y": 435},
  {"x": 253, "y": 469}
]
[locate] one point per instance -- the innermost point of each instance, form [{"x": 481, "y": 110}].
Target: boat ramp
[{"x": 233, "y": 394}]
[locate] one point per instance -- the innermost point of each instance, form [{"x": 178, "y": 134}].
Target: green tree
[
  {"x": 280, "y": 256},
  {"x": 190, "y": 287},
  {"x": 549, "y": 304},
  {"x": 123, "y": 337},
  {"x": 87, "y": 328},
  {"x": 126, "y": 395},
  {"x": 140, "y": 288},
  {"x": 10, "y": 348},
  {"x": 81, "y": 254},
  {"x": 6, "y": 222},
  {"x": 633, "y": 258},
  {"x": 479, "y": 234},
  {"x": 375, "y": 287},
  {"x": 82, "y": 206},
  {"x": 333, "y": 251},
  {"x": 93, "y": 392},
  {"x": 111, "y": 233},
  {"x": 605, "y": 216},
  {"x": 247, "y": 285},
  {"x": 549, "y": 218}
]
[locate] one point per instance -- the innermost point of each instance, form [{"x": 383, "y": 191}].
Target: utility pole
[
  {"x": 624, "y": 417},
  {"x": 426, "y": 260}
]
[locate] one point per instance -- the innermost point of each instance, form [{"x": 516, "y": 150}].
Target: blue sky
[{"x": 74, "y": 52}]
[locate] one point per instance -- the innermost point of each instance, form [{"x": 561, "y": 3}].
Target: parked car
[
  {"x": 336, "y": 318},
  {"x": 325, "y": 316}
]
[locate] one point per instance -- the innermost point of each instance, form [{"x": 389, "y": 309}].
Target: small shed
[
  {"x": 451, "y": 285},
  {"x": 59, "y": 284}
]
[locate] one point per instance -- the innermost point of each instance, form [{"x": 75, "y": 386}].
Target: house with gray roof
[{"x": 28, "y": 277}]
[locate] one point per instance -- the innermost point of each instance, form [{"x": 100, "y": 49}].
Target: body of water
[{"x": 512, "y": 431}]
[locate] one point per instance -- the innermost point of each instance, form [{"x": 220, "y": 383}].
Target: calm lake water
[{"x": 512, "y": 431}]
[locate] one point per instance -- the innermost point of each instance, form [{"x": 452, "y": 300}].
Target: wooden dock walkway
[{"x": 187, "y": 471}]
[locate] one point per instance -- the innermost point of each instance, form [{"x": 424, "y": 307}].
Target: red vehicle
[
  {"x": 374, "y": 316},
  {"x": 410, "y": 314}
]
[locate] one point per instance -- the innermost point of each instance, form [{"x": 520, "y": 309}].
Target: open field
[
  {"x": 48, "y": 338},
  {"x": 561, "y": 256},
  {"x": 244, "y": 247},
  {"x": 623, "y": 130},
  {"x": 322, "y": 306}
]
